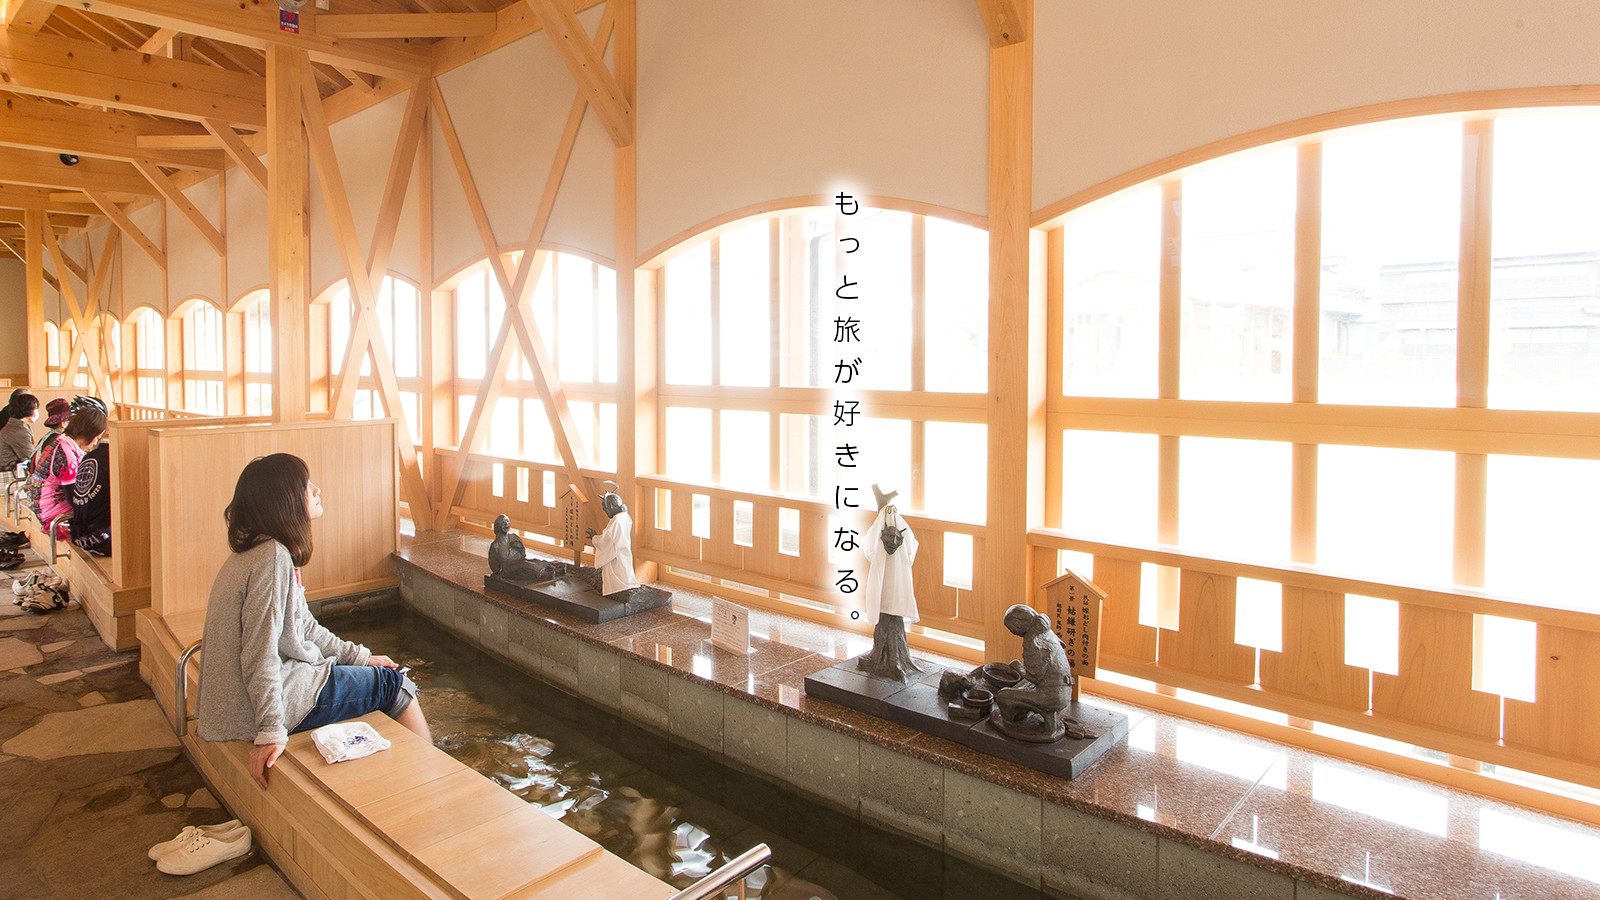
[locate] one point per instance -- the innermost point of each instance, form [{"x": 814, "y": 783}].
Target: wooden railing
[
  {"x": 1430, "y": 701},
  {"x": 780, "y": 544},
  {"x": 529, "y": 493},
  {"x": 138, "y": 412}
]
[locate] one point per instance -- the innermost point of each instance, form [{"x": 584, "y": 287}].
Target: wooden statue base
[
  {"x": 917, "y": 704},
  {"x": 578, "y": 599}
]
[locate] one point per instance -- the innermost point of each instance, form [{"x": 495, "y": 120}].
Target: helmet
[{"x": 84, "y": 401}]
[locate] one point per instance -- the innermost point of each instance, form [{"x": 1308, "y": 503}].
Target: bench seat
[{"x": 407, "y": 822}]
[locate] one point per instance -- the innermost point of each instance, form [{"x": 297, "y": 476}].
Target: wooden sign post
[
  {"x": 1074, "y": 605},
  {"x": 572, "y": 502}
]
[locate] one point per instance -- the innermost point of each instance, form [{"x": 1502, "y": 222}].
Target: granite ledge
[{"x": 451, "y": 562}]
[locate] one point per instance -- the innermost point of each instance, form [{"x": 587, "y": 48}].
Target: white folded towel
[{"x": 347, "y": 740}]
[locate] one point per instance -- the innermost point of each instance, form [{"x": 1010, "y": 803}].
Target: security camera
[{"x": 69, "y": 159}]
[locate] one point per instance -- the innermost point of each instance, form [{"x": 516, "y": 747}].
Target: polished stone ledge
[{"x": 1180, "y": 811}]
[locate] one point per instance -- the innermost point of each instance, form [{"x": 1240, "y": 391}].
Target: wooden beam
[
  {"x": 86, "y": 342},
  {"x": 636, "y": 309},
  {"x": 80, "y": 71},
  {"x": 512, "y": 24},
  {"x": 33, "y": 286},
  {"x": 99, "y": 30},
  {"x": 41, "y": 198},
  {"x": 184, "y": 205},
  {"x": 239, "y": 151},
  {"x": 288, "y": 234},
  {"x": 377, "y": 262},
  {"x": 1005, "y": 21},
  {"x": 72, "y": 265},
  {"x": 359, "y": 80},
  {"x": 28, "y": 16},
  {"x": 1472, "y": 290},
  {"x": 126, "y": 226},
  {"x": 364, "y": 281},
  {"x": 558, "y": 166},
  {"x": 518, "y": 320},
  {"x": 41, "y": 168},
  {"x": 10, "y": 246},
  {"x": 406, "y": 25},
  {"x": 1017, "y": 392},
  {"x": 156, "y": 42},
  {"x": 256, "y": 25},
  {"x": 31, "y": 123},
  {"x": 62, "y": 221},
  {"x": 70, "y": 297},
  {"x": 584, "y": 61},
  {"x": 204, "y": 140}
]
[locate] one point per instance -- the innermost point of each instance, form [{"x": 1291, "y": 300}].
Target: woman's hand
[
  {"x": 262, "y": 756},
  {"x": 384, "y": 661}
]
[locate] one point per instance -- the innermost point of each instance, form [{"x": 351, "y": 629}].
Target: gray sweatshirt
[
  {"x": 265, "y": 657},
  {"x": 16, "y": 443}
]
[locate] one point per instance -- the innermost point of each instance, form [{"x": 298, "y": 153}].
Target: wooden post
[
  {"x": 34, "y": 224},
  {"x": 636, "y": 305},
  {"x": 288, "y": 233},
  {"x": 1016, "y": 345}
]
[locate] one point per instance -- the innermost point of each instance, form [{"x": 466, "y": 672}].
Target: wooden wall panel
[
  {"x": 130, "y": 493},
  {"x": 681, "y": 540},
  {"x": 1565, "y": 718},
  {"x": 934, "y": 597},
  {"x": 765, "y": 535},
  {"x": 1203, "y": 643},
  {"x": 721, "y": 549},
  {"x": 1120, "y": 631},
  {"x": 1311, "y": 665},
  {"x": 1434, "y": 687},
  {"x": 192, "y": 475}
]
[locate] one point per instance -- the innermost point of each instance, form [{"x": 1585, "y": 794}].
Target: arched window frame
[{"x": 204, "y": 350}]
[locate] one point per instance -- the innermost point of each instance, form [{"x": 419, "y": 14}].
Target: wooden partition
[
  {"x": 113, "y": 588},
  {"x": 1431, "y": 700},
  {"x": 193, "y": 471}
]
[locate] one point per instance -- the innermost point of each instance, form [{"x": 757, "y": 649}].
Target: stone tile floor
[{"x": 91, "y": 775}]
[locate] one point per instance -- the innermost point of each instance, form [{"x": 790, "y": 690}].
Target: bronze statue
[
  {"x": 508, "y": 558},
  {"x": 1032, "y": 709}
]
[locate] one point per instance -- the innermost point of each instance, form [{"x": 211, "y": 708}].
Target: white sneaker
[
  {"x": 188, "y": 834},
  {"x": 204, "y": 851}
]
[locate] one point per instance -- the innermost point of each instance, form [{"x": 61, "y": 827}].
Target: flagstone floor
[{"x": 91, "y": 775}]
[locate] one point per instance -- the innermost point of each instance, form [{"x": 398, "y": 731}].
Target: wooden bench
[
  {"x": 110, "y": 606},
  {"x": 408, "y": 822}
]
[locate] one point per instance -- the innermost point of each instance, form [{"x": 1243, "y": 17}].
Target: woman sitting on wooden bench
[{"x": 269, "y": 669}]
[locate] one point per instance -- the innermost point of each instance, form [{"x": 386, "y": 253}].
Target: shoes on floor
[
  {"x": 190, "y": 832},
  {"x": 11, "y": 562},
  {"x": 13, "y": 539},
  {"x": 205, "y": 850},
  {"x": 40, "y": 593}
]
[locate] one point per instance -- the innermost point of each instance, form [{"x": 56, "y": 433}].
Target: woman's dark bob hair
[
  {"x": 23, "y": 406},
  {"x": 86, "y": 424},
  {"x": 269, "y": 502}
]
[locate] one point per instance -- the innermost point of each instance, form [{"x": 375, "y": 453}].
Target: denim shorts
[{"x": 354, "y": 691}]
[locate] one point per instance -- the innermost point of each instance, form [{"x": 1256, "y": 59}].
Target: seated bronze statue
[
  {"x": 508, "y": 558},
  {"x": 1032, "y": 710}
]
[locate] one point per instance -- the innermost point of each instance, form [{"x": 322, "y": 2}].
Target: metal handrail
[
  {"x": 737, "y": 869},
  {"x": 180, "y": 692},
  {"x": 52, "y": 529}
]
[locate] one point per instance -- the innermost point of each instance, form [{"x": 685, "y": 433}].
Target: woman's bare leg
[{"x": 413, "y": 720}]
